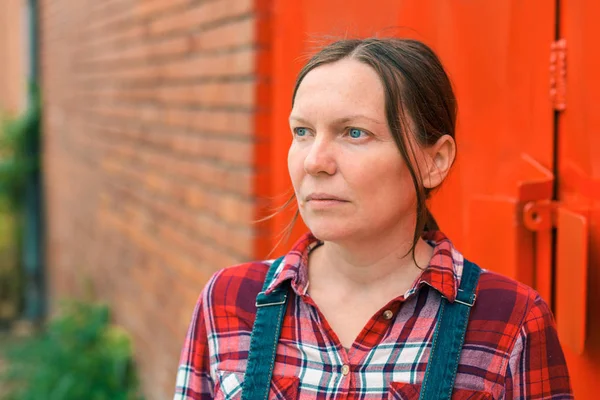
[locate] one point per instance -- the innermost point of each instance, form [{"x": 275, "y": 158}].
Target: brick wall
[
  {"x": 13, "y": 56},
  {"x": 152, "y": 130}
]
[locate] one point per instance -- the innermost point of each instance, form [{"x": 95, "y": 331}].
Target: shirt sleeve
[
  {"x": 537, "y": 367},
  {"x": 194, "y": 381}
]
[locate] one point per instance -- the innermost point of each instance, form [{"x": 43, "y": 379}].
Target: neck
[{"x": 369, "y": 266}]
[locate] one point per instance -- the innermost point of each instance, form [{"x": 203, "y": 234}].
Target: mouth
[{"x": 324, "y": 197}]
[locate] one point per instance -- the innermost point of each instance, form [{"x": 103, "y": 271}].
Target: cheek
[
  {"x": 384, "y": 182},
  {"x": 295, "y": 165}
]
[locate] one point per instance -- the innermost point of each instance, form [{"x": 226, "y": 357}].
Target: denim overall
[{"x": 443, "y": 360}]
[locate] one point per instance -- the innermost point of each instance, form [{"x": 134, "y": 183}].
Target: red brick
[
  {"x": 225, "y": 36},
  {"x": 93, "y": 44},
  {"x": 145, "y": 51},
  {"x": 203, "y": 14},
  {"x": 238, "y": 63},
  {"x": 148, "y": 8}
]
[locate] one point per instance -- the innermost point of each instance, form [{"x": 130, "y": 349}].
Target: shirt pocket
[
  {"x": 229, "y": 386},
  {"x": 411, "y": 391}
]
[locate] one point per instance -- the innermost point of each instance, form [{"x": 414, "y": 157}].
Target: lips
[{"x": 323, "y": 197}]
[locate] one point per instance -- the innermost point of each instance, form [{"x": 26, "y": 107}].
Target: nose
[{"x": 321, "y": 157}]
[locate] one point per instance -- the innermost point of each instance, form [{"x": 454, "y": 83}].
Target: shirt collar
[{"x": 442, "y": 274}]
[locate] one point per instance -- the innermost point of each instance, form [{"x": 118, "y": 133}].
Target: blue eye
[
  {"x": 355, "y": 133},
  {"x": 301, "y": 132}
]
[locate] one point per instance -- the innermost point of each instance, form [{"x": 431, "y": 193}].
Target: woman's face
[{"x": 350, "y": 180}]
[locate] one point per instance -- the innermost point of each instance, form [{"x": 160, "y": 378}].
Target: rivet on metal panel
[
  {"x": 558, "y": 74},
  {"x": 539, "y": 215}
]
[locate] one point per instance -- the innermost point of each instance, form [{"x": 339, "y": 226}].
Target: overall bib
[{"x": 445, "y": 349}]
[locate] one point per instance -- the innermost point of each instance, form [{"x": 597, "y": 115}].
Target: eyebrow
[{"x": 338, "y": 121}]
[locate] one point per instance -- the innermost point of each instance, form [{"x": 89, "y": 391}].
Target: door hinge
[
  {"x": 540, "y": 215},
  {"x": 558, "y": 74}
]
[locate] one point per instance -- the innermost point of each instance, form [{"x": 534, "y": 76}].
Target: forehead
[{"x": 340, "y": 85}]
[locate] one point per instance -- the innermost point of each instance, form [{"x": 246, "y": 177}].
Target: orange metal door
[{"x": 577, "y": 280}]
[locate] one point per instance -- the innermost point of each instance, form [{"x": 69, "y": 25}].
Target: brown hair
[{"x": 416, "y": 85}]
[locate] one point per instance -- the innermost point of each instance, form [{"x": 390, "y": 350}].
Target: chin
[{"x": 331, "y": 232}]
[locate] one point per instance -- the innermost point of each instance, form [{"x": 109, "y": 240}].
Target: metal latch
[{"x": 558, "y": 74}]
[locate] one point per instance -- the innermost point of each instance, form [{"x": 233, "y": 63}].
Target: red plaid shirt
[{"x": 511, "y": 348}]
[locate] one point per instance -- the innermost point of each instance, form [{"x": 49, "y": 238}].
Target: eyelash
[{"x": 347, "y": 131}]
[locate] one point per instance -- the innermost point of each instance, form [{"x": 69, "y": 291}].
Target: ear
[{"x": 439, "y": 159}]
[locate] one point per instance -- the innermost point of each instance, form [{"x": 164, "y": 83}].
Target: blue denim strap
[
  {"x": 447, "y": 345},
  {"x": 270, "y": 310}
]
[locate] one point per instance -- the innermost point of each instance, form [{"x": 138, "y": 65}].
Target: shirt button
[
  {"x": 388, "y": 314},
  {"x": 345, "y": 369}
]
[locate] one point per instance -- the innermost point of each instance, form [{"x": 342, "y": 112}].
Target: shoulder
[
  {"x": 513, "y": 322},
  {"x": 503, "y": 299},
  {"x": 503, "y": 308},
  {"x": 234, "y": 288}
]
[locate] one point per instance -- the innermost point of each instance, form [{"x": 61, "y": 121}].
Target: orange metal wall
[
  {"x": 578, "y": 158},
  {"x": 512, "y": 141}
]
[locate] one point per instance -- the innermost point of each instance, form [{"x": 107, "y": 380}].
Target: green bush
[
  {"x": 79, "y": 356},
  {"x": 19, "y": 167},
  {"x": 19, "y": 151}
]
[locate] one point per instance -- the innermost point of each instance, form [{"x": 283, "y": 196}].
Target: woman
[{"x": 375, "y": 302}]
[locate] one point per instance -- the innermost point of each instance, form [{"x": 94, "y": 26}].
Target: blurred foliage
[
  {"x": 80, "y": 355},
  {"x": 19, "y": 151},
  {"x": 19, "y": 161},
  {"x": 11, "y": 276}
]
